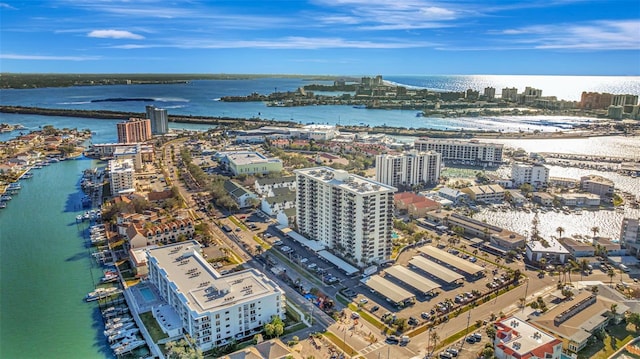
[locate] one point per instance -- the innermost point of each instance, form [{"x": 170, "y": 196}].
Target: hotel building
[
  {"x": 535, "y": 175},
  {"x": 121, "y": 176},
  {"x": 472, "y": 151},
  {"x": 352, "y": 215},
  {"x": 408, "y": 169},
  {"x": 213, "y": 309},
  {"x": 159, "y": 120},
  {"x": 134, "y": 130}
]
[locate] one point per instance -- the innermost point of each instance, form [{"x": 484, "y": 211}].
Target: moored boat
[{"x": 101, "y": 293}]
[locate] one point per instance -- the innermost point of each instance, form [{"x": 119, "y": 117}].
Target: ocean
[{"x": 45, "y": 265}]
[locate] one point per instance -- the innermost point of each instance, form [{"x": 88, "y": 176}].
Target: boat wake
[{"x": 74, "y": 103}]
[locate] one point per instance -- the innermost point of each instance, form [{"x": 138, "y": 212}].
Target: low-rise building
[
  {"x": 597, "y": 185},
  {"x": 282, "y": 199},
  {"x": 265, "y": 186},
  {"x": 576, "y": 320},
  {"x": 578, "y": 249},
  {"x": 213, "y": 309},
  {"x": 249, "y": 163},
  {"x": 415, "y": 204},
  {"x": 517, "y": 339},
  {"x": 453, "y": 195},
  {"x": 578, "y": 199},
  {"x": 491, "y": 193},
  {"x": 140, "y": 235},
  {"x": 240, "y": 194},
  {"x": 549, "y": 249},
  {"x": 563, "y": 182},
  {"x": 543, "y": 198},
  {"x": 611, "y": 248}
]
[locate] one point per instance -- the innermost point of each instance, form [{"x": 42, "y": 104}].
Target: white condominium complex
[
  {"x": 408, "y": 169},
  {"x": 535, "y": 175},
  {"x": 121, "y": 176},
  {"x": 352, "y": 215},
  {"x": 213, "y": 309},
  {"x": 467, "y": 152}
]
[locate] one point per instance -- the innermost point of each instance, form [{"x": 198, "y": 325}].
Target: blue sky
[{"x": 337, "y": 37}]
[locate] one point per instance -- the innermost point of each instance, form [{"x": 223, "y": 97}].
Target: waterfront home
[
  {"x": 542, "y": 198},
  {"x": 578, "y": 249},
  {"x": 578, "y": 199},
  {"x": 597, "y": 185},
  {"x": 576, "y": 320},
  {"x": 161, "y": 233}
]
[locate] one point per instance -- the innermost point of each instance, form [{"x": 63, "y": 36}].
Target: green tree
[
  {"x": 491, "y": 332},
  {"x": 183, "y": 349},
  {"x": 595, "y": 230},
  {"x": 560, "y": 230},
  {"x": 611, "y": 274},
  {"x": 634, "y": 318}
]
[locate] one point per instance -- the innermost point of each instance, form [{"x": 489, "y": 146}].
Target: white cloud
[
  {"x": 292, "y": 42},
  {"x": 595, "y": 35},
  {"x": 47, "y": 57},
  {"x": 7, "y": 6},
  {"x": 115, "y": 34}
]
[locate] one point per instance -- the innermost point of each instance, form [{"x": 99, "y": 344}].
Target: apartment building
[
  {"x": 134, "y": 130},
  {"x": 516, "y": 339},
  {"x": 536, "y": 175},
  {"x": 121, "y": 176},
  {"x": 159, "y": 120},
  {"x": 213, "y": 309},
  {"x": 630, "y": 235},
  {"x": 597, "y": 185},
  {"x": 491, "y": 193},
  {"x": 408, "y": 169},
  {"x": 350, "y": 214},
  {"x": 266, "y": 186},
  {"x": 463, "y": 151}
]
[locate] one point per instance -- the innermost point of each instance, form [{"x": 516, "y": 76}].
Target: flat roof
[
  {"x": 387, "y": 288},
  {"x": 202, "y": 287},
  {"x": 315, "y": 246},
  {"x": 448, "y": 258},
  {"x": 412, "y": 278},
  {"x": 435, "y": 269},
  {"x": 346, "y": 267},
  {"x": 522, "y": 337},
  {"x": 346, "y": 181}
]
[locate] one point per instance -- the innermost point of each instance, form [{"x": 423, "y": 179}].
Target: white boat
[
  {"x": 117, "y": 328},
  {"x": 101, "y": 293},
  {"x": 129, "y": 347},
  {"x": 14, "y": 185},
  {"x": 121, "y": 334},
  {"x": 3, "y": 204},
  {"x": 108, "y": 277},
  {"x": 117, "y": 322},
  {"x": 5, "y": 197},
  {"x": 125, "y": 341}
]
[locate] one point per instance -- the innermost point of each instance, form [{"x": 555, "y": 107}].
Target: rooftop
[
  {"x": 518, "y": 336},
  {"x": 346, "y": 181},
  {"x": 201, "y": 286}
]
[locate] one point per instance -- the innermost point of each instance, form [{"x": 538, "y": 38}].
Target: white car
[{"x": 304, "y": 260}]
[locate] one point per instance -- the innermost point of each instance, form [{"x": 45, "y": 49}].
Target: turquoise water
[
  {"x": 45, "y": 271},
  {"x": 147, "y": 294}
]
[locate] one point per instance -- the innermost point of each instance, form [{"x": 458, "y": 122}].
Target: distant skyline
[{"x": 323, "y": 37}]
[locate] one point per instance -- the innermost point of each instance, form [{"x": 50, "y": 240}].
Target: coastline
[{"x": 594, "y": 130}]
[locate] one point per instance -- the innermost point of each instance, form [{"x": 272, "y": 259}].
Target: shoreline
[{"x": 253, "y": 123}]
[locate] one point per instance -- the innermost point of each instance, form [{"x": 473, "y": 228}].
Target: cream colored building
[
  {"x": 408, "y": 169},
  {"x": 352, "y": 215},
  {"x": 121, "y": 176}
]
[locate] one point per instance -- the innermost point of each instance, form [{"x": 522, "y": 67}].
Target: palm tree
[
  {"x": 522, "y": 301},
  {"x": 584, "y": 265},
  {"x": 434, "y": 336},
  {"x": 595, "y": 230},
  {"x": 614, "y": 308},
  {"x": 611, "y": 274},
  {"x": 560, "y": 230},
  {"x": 543, "y": 262}
]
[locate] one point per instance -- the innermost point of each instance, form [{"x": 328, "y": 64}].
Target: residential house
[{"x": 240, "y": 194}]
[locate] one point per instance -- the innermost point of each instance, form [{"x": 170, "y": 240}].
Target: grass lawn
[
  {"x": 617, "y": 337},
  {"x": 339, "y": 343},
  {"x": 152, "y": 327}
]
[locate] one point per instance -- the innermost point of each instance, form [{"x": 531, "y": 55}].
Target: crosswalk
[{"x": 371, "y": 348}]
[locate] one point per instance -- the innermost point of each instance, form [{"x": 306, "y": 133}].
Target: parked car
[
  {"x": 364, "y": 301},
  {"x": 412, "y": 321},
  {"x": 392, "y": 339},
  {"x": 424, "y": 316},
  {"x": 470, "y": 339},
  {"x": 453, "y": 352},
  {"x": 374, "y": 308},
  {"x": 355, "y": 315}
]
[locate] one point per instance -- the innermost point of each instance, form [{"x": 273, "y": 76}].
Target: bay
[
  {"x": 46, "y": 270},
  {"x": 200, "y": 98}
]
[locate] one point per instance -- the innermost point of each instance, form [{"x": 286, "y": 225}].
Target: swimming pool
[{"x": 147, "y": 294}]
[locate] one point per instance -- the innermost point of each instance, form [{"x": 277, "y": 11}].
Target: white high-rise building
[
  {"x": 630, "y": 235},
  {"x": 121, "y": 176},
  {"x": 536, "y": 175},
  {"x": 159, "y": 120},
  {"x": 352, "y": 215},
  {"x": 213, "y": 309},
  {"x": 411, "y": 168},
  {"x": 464, "y": 151}
]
